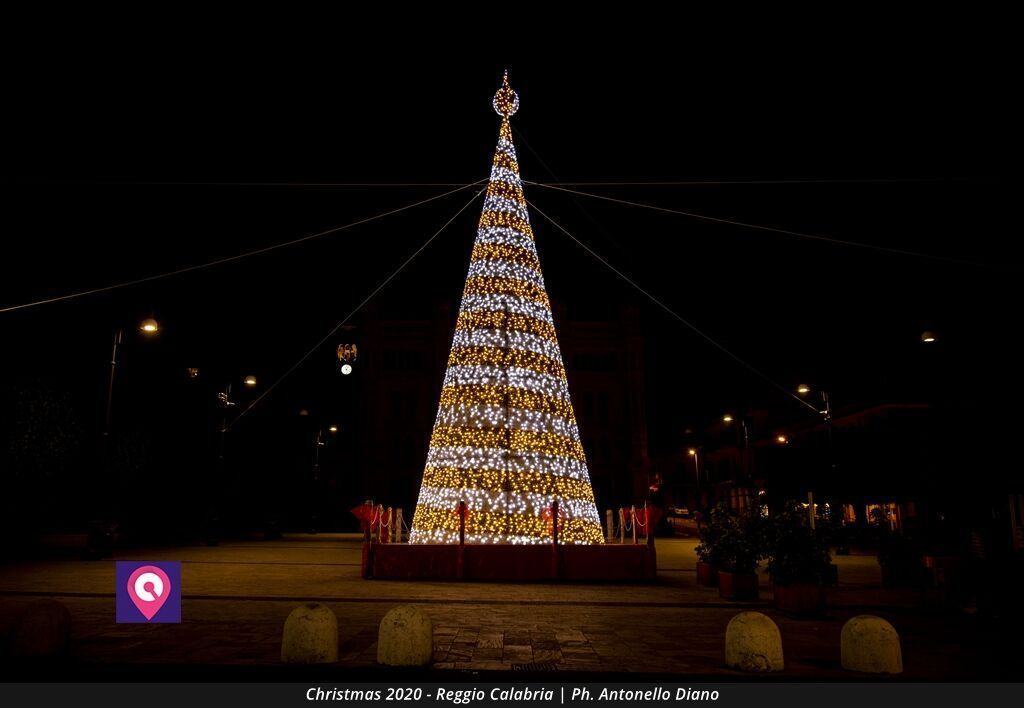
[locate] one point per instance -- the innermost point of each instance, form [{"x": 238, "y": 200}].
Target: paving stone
[
  {"x": 671, "y": 626},
  {"x": 491, "y": 640},
  {"x": 517, "y": 653},
  {"x": 546, "y": 655}
]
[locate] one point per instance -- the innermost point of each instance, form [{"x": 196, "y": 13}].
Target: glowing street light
[
  {"x": 333, "y": 429},
  {"x": 928, "y": 337},
  {"x": 148, "y": 327},
  {"x": 249, "y": 381},
  {"x": 781, "y": 439},
  {"x": 693, "y": 452},
  {"x": 727, "y": 418},
  {"x": 803, "y": 389}
]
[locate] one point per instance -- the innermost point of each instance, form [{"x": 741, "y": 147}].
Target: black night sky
[{"x": 122, "y": 169}]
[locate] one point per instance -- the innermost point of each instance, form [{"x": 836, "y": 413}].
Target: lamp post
[
  {"x": 100, "y": 537},
  {"x": 148, "y": 327},
  {"x": 695, "y": 454},
  {"x": 319, "y": 441},
  {"x": 826, "y": 413}
]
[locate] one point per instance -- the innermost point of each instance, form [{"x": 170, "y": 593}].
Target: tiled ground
[{"x": 237, "y": 596}]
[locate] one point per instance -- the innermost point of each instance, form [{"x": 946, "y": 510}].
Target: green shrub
[
  {"x": 797, "y": 553},
  {"x": 741, "y": 541}
]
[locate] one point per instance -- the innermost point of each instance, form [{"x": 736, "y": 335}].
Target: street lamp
[
  {"x": 249, "y": 381},
  {"x": 695, "y": 454},
  {"x": 333, "y": 429},
  {"x": 928, "y": 337},
  {"x": 727, "y": 418},
  {"x": 804, "y": 389},
  {"x": 826, "y": 413},
  {"x": 149, "y": 327},
  {"x": 781, "y": 439}
]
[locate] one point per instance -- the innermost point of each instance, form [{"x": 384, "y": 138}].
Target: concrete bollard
[
  {"x": 753, "y": 643},
  {"x": 43, "y": 629},
  {"x": 872, "y": 645},
  {"x": 310, "y": 635},
  {"x": 406, "y": 638}
]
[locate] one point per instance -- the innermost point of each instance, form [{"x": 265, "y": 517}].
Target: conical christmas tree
[{"x": 505, "y": 440}]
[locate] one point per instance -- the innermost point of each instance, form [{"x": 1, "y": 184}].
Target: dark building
[{"x": 888, "y": 463}]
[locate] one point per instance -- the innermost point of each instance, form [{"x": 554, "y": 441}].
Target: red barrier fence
[{"x": 384, "y": 558}]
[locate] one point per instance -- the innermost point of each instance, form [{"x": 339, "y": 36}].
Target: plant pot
[
  {"x": 799, "y": 598},
  {"x": 707, "y": 575},
  {"x": 737, "y": 586}
]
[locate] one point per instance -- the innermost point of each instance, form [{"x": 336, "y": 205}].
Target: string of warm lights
[{"x": 505, "y": 441}]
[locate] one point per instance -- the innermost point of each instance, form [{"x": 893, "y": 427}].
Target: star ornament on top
[{"x": 506, "y": 101}]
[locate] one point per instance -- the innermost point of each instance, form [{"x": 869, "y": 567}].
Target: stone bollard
[
  {"x": 406, "y": 638},
  {"x": 872, "y": 645},
  {"x": 753, "y": 643},
  {"x": 310, "y": 635},
  {"x": 42, "y": 630}
]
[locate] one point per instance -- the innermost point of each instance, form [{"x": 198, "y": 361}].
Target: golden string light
[{"x": 505, "y": 441}]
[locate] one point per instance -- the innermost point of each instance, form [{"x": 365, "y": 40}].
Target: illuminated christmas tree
[{"x": 505, "y": 440}]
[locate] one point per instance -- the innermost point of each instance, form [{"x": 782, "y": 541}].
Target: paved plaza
[{"x": 236, "y": 597}]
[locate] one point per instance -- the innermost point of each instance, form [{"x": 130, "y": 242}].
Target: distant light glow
[
  {"x": 346, "y": 369},
  {"x": 149, "y": 326},
  {"x": 727, "y": 418},
  {"x": 249, "y": 381},
  {"x": 803, "y": 389}
]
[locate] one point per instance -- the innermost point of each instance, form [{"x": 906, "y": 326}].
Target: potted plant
[
  {"x": 709, "y": 530},
  {"x": 799, "y": 564},
  {"x": 740, "y": 547}
]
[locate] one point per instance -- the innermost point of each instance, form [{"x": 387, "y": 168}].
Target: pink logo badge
[{"x": 149, "y": 587}]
